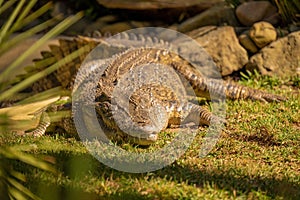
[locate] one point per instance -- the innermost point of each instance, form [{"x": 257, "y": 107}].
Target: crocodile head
[{"x": 140, "y": 129}]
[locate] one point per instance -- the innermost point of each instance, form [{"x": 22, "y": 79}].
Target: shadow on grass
[
  {"x": 224, "y": 179},
  {"x": 78, "y": 166},
  {"x": 55, "y": 192}
]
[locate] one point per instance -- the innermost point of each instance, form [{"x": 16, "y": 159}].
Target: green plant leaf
[
  {"x": 11, "y": 153},
  {"x": 24, "y": 35},
  {"x": 11, "y": 186},
  {"x": 7, "y": 5},
  {"x": 53, "y": 32},
  {"x": 5, "y": 28},
  {"x": 25, "y": 83},
  {"x": 26, "y": 20}
]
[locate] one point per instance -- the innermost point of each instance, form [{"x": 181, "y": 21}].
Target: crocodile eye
[
  {"x": 193, "y": 76},
  {"x": 115, "y": 82}
]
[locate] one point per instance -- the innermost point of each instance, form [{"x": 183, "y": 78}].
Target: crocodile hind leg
[
  {"x": 194, "y": 114},
  {"x": 42, "y": 126}
]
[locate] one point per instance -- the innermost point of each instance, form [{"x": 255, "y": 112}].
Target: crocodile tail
[{"x": 233, "y": 91}]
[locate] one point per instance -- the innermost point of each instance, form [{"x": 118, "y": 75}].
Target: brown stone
[
  {"x": 153, "y": 4},
  {"x": 222, "y": 44},
  {"x": 168, "y": 10},
  {"x": 116, "y": 28},
  {"x": 218, "y": 15},
  {"x": 262, "y": 33},
  {"x": 247, "y": 43},
  {"x": 250, "y": 12},
  {"x": 280, "y": 58}
]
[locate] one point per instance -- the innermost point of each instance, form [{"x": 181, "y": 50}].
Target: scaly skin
[
  {"x": 154, "y": 95},
  {"x": 145, "y": 97}
]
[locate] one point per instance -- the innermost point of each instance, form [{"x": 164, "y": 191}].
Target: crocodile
[{"x": 144, "y": 98}]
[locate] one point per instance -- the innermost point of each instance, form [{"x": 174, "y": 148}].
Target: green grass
[{"x": 257, "y": 157}]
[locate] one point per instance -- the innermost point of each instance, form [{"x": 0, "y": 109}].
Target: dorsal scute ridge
[
  {"x": 97, "y": 34},
  {"x": 130, "y": 40},
  {"x": 141, "y": 38},
  {"x": 133, "y": 36}
]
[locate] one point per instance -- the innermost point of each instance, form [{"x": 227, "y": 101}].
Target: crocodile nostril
[{"x": 153, "y": 136}]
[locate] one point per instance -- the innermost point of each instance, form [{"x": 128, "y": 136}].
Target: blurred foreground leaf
[{"x": 21, "y": 116}]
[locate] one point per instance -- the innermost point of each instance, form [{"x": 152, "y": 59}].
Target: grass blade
[
  {"x": 52, "y": 33},
  {"x": 48, "y": 94},
  {"x": 24, "y": 35},
  {"x": 25, "y": 83},
  {"x": 18, "y": 191},
  {"x": 4, "y": 30},
  {"x": 32, "y": 17},
  {"x": 26, "y": 10},
  {"x": 11, "y": 153},
  {"x": 7, "y": 5}
]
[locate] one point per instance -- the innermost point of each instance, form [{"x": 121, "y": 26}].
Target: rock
[
  {"x": 116, "y": 28},
  {"x": 125, "y": 25},
  {"x": 107, "y": 19},
  {"x": 280, "y": 58},
  {"x": 223, "y": 46},
  {"x": 139, "y": 24},
  {"x": 150, "y": 4},
  {"x": 167, "y": 10},
  {"x": 250, "y": 12},
  {"x": 217, "y": 15},
  {"x": 247, "y": 43},
  {"x": 262, "y": 34},
  {"x": 273, "y": 19}
]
